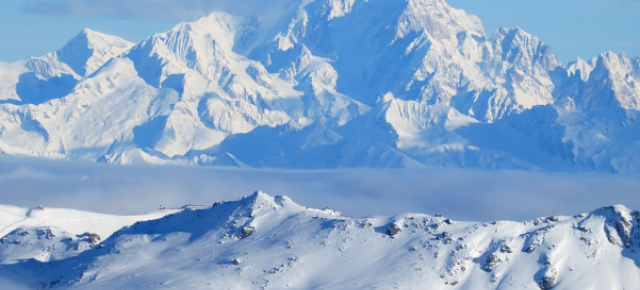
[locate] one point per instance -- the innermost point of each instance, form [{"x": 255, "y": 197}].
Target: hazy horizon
[{"x": 497, "y": 195}]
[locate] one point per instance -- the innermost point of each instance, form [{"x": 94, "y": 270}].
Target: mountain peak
[
  {"x": 260, "y": 196},
  {"x": 608, "y": 55},
  {"x": 87, "y": 32},
  {"x": 91, "y": 39},
  {"x": 437, "y": 18},
  {"x": 614, "y": 211},
  {"x": 518, "y": 34},
  {"x": 581, "y": 67},
  {"x": 502, "y": 30},
  {"x": 90, "y": 49},
  {"x": 609, "y": 62},
  {"x": 259, "y": 199},
  {"x": 519, "y": 30}
]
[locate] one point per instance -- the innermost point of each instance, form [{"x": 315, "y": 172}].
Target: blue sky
[{"x": 574, "y": 28}]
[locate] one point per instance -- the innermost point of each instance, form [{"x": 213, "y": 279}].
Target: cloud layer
[
  {"x": 459, "y": 194},
  {"x": 157, "y": 10},
  {"x": 161, "y": 10},
  {"x": 152, "y": 10}
]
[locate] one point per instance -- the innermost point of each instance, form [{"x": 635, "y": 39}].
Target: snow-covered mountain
[
  {"x": 325, "y": 84},
  {"x": 46, "y": 234},
  {"x": 267, "y": 242}
]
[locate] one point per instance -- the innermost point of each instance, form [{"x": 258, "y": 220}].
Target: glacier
[{"x": 324, "y": 84}]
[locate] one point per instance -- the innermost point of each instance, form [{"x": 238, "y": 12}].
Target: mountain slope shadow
[
  {"x": 500, "y": 137},
  {"x": 148, "y": 134},
  {"x": 35, "y": 91}
]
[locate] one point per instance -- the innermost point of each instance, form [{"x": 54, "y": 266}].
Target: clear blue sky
[{"x": 574, "y": 28}]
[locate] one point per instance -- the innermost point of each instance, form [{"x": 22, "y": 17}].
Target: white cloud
[
  {"x": 153, "y": 10},
  {"x": 140, "y": 9}
]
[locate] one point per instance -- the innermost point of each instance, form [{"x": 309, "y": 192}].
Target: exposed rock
[
  {"x": 493, "y": 261},
  {"x": 45, "y": 234},
  {"x": 94, "y": 239},
  {"x": 549, "y": 280},
  {"x": 506, "y": 249},
  {"x": 624, "y": 228},
  {"x": 393, "y": 230},
  {"x": 246, "y": 231},
  {"x": 583, "y": 229},
  {"x": 610, "y": 237}
]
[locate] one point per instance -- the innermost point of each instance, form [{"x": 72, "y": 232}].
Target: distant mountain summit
[
  {"x": 90, "y": 50},
  {"x": 326, "y": 84}
]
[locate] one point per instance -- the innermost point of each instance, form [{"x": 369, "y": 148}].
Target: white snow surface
[
  {"x": 377, "y": 83},
  {"x": 269, "y": 242},
  {"x": 51, "y": 233}
]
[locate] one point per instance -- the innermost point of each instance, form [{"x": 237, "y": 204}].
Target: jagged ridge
[{"x": 185, "y": 96}]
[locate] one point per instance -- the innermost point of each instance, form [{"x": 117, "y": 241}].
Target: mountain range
[
  {"x": 270, "y": 242},
  {"x": 326, "y": 84}
]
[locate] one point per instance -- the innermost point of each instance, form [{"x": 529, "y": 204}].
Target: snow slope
[
  {"x": 267, "y": 242},
  {"x": 48, "y": 234},
  {"x": 399, "y": 83}
]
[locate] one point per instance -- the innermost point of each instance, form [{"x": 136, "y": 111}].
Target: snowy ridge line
[
  {"x": 72, "y": 227},
  {"x": 423, "y": 86},
  {"x": 269, "y": 242}
]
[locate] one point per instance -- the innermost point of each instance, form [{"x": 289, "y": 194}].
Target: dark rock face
[
  {"x": 506, "y": 249},
  {"x": 492, "y": 262},
  {"x": 393, "y": 230},
  {"x": 624, "y": 229}
]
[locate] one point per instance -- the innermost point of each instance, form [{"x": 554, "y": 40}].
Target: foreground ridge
[{"x": 269, "y": 242}]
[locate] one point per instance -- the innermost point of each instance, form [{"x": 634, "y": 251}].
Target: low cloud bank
[{"x": 460, "y": 194}]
